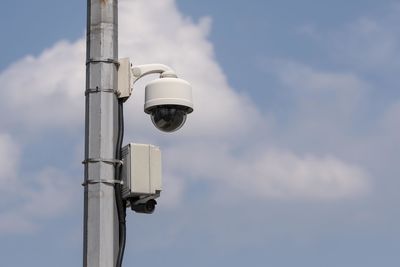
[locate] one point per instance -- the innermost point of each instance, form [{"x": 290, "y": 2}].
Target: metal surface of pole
[{"x": 100, "y": 237}]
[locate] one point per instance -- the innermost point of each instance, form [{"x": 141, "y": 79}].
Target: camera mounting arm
[
  {"x": 128, "y": 75},
  {"x": 143, "y": 70}
]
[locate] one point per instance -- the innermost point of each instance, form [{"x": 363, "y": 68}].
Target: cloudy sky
[{"x": 289, "y": 159}]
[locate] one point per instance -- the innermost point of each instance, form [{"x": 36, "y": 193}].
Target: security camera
[
  {"x": 168, "y": 100},
  {"x": 143, "y": 206}
]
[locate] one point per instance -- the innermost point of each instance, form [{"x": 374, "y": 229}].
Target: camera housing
[
  {"x": 146, "y": 205},
  {"x": 168, "y": 100}
]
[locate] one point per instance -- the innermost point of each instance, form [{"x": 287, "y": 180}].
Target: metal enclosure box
[{"x": 141, "y": 170}]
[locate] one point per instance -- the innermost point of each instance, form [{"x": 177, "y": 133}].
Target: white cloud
[
  {"x": 47, "y": 92},
  {"x": 26, "y": 198},
  {"x": 281, "y": 174},
  {"x": 268, "y": 172},
  {"x": 53, "y": 194},
  {"x": 49, "y": 193},
  {"x": 9, "y": 160},
  {"x": 323, "y": 100},
  {"x": 346, "y": 102},
  {"x": 307, "y": 80},
  {"x": 15, "y": 223}
]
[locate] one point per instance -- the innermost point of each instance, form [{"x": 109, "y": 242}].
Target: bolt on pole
[{"x": 100, "y": 233}]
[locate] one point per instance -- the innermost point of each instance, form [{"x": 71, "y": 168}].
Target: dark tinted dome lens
[{"x": 168, "y": 118}]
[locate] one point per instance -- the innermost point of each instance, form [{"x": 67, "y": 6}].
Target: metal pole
[{"x": 100, "y": 237}]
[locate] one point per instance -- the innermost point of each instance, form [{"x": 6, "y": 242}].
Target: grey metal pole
[{"x": 100, "y": 237}]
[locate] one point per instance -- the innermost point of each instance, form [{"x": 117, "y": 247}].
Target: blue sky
[{"x": 290, "y": 157}]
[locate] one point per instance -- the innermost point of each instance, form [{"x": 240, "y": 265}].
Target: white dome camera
[{"x": 168, "y": 100}]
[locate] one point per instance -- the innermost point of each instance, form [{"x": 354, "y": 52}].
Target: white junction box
[
  {"x": 124, "y": 78},
  {"x": 141, "y": 171}
]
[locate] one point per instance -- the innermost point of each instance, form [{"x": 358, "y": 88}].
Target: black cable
[{"x": 121, "y": 203}]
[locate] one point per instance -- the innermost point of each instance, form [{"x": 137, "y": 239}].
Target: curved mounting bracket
[
  {"x": 128, "y": 75},
  {"x": 143, "y": 70}
]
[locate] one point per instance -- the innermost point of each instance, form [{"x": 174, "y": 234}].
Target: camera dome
[
  {"x": 168, "y": 118},
  {"x": 168, "y": 101}
]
